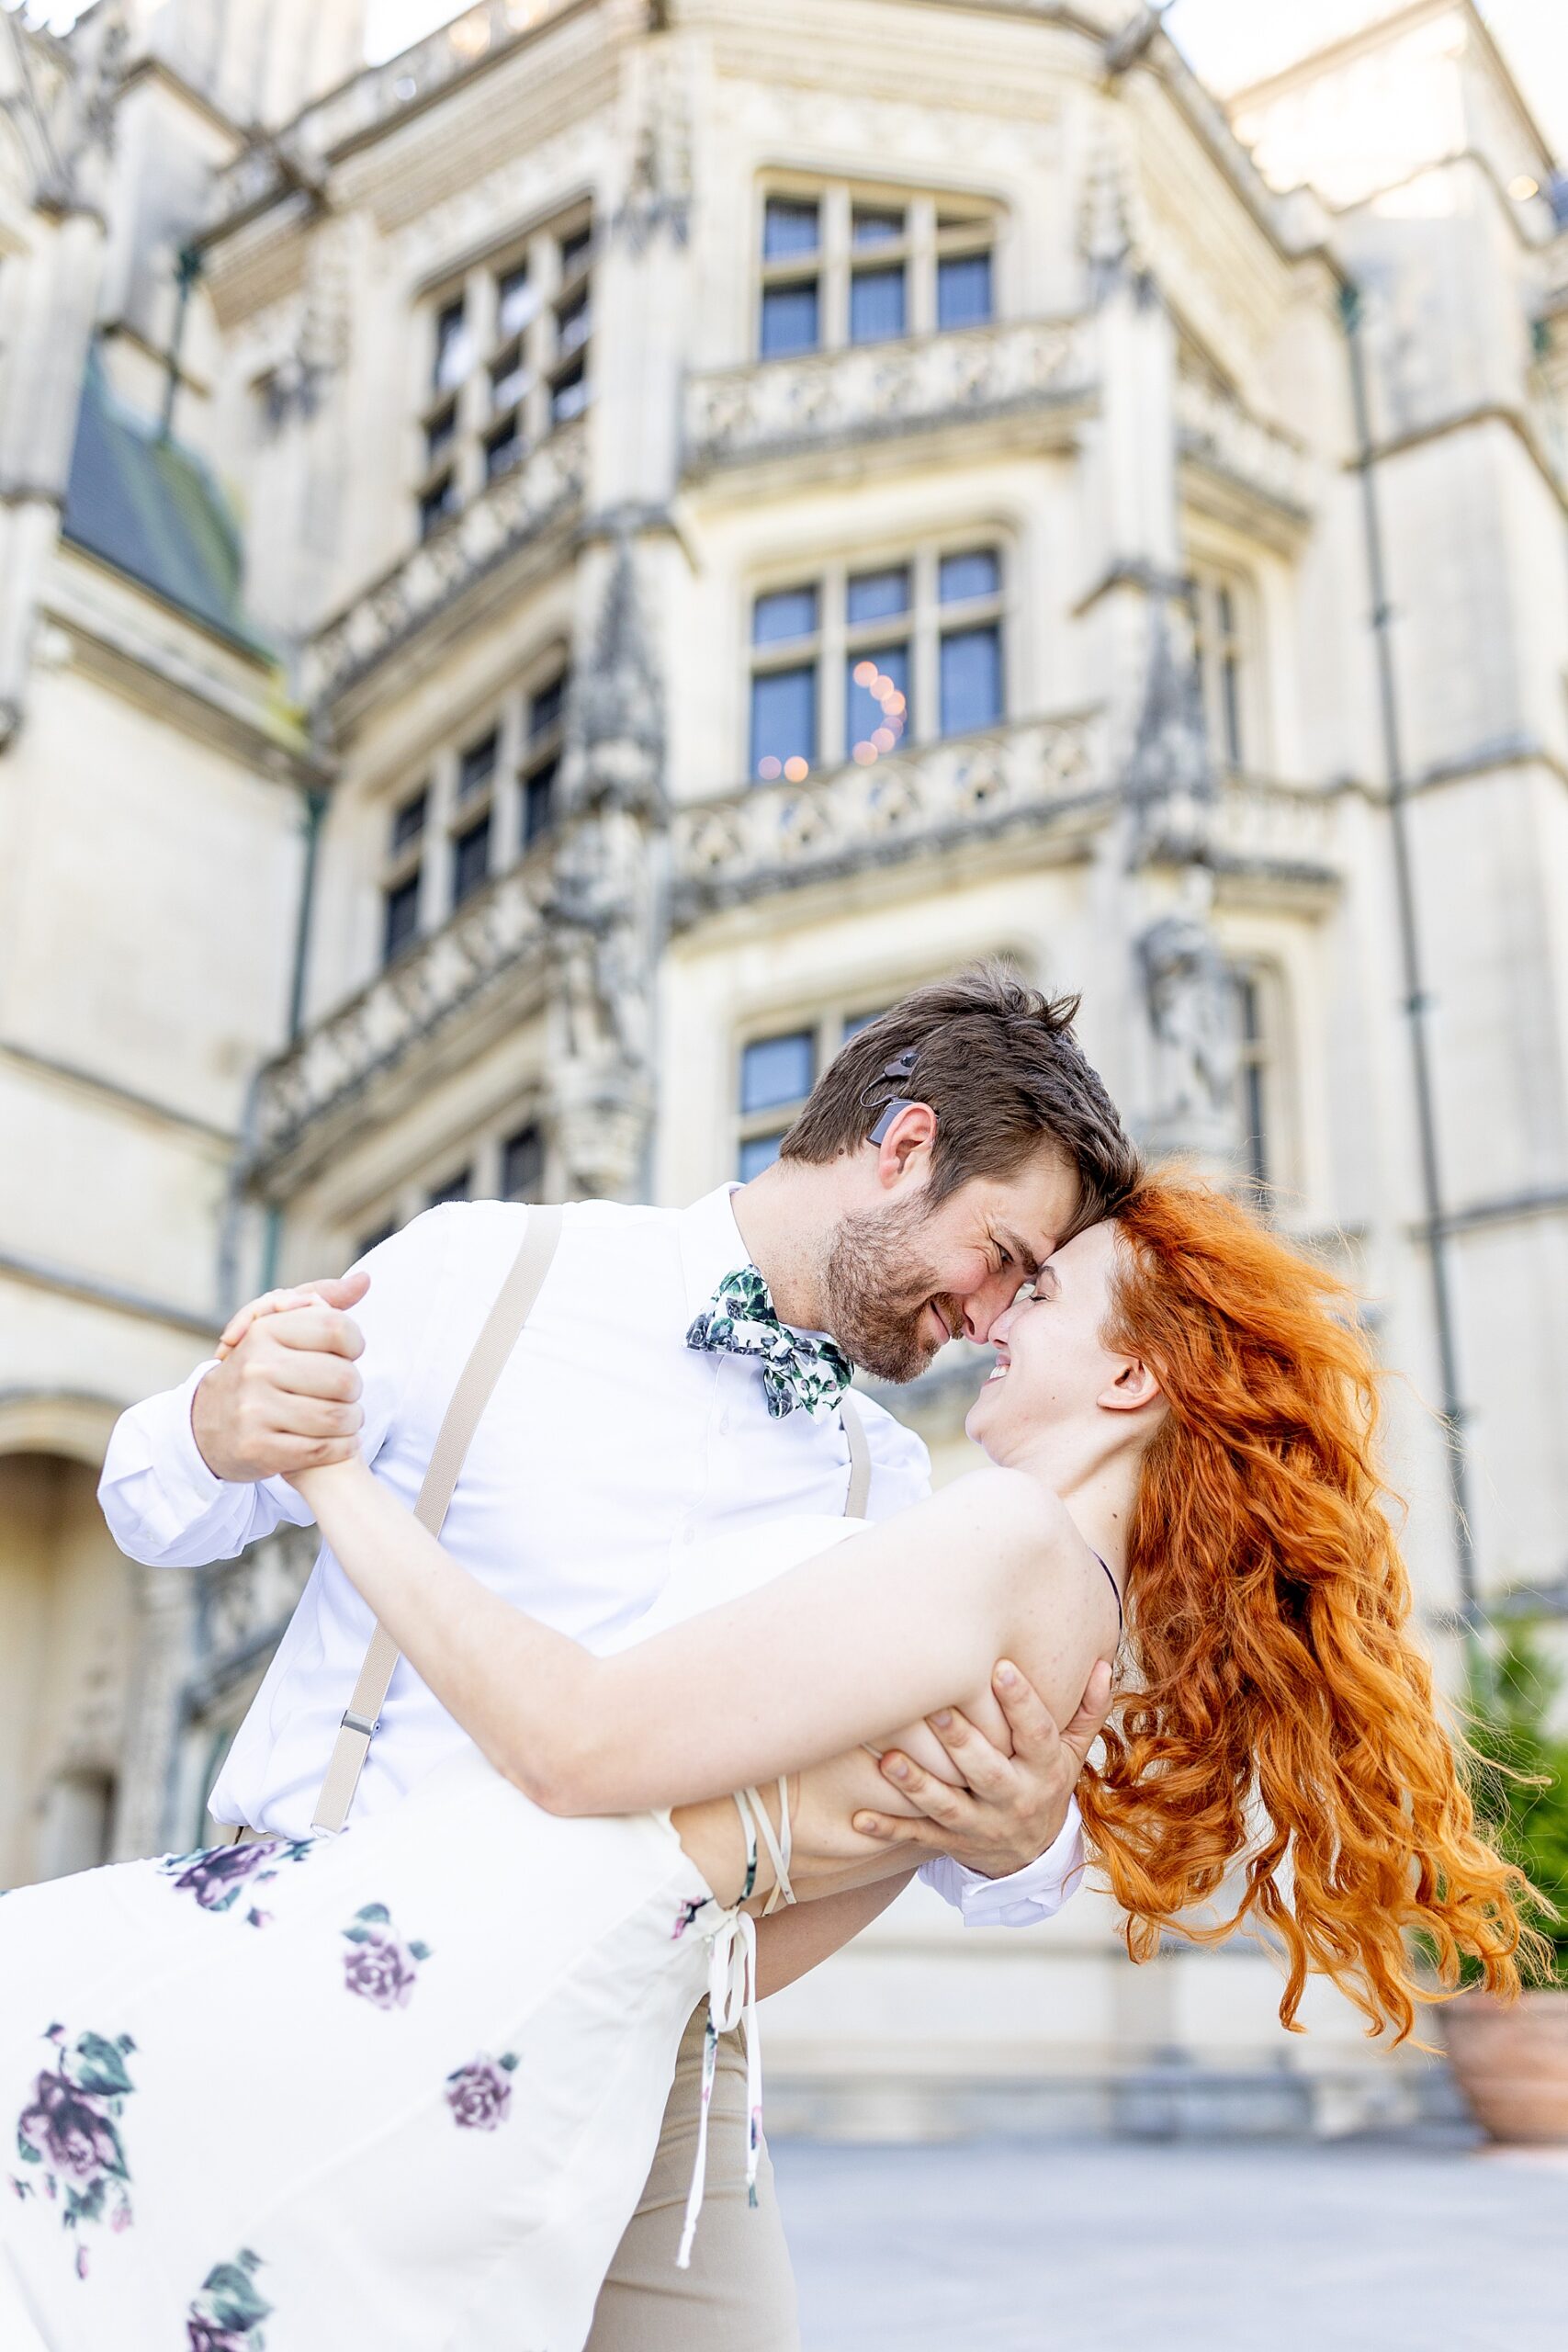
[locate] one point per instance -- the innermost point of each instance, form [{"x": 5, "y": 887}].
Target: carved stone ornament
[
  {"x": 1170, "y": 779},
  {"x": 659, "y": 186},
  {"x": 74, "y": 122},
  {"x": 1190, "y": 999},
  {"x": 617, "y": 703}
]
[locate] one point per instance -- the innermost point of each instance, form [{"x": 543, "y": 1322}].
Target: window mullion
[
  {"x": 920, "y": 267},
  {"x": 923, "y": 665},
  {"x": 830, "y": 685},
  {"x": 434, "y": 881},
  {"x": 836, "y": 239}
]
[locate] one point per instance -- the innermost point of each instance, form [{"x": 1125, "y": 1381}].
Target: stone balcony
[
  {"x": 775, "y": 408},
  {"x": 1261, "y": 476},
  {"x": 546, "y": 487},
  {"x": 770, "y": 837},
  {"x": 479, "y": 963}
]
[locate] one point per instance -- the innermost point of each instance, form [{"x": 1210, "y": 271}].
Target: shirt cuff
[{"x": 1029, "y": 1896}]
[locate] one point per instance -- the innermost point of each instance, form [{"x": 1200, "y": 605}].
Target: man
[{"x": 681, "y": 1376}]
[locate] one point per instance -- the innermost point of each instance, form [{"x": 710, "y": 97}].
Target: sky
[{"x": 1229, "y": 42}]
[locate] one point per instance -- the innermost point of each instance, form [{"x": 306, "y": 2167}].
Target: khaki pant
[{"x": 738, "y": 2295}]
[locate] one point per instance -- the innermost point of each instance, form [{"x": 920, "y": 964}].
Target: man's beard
[{"x": 877, "y": 1288}]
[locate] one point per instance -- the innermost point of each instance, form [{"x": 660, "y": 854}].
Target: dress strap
[
  {"x": 778, "y": 1849},
  {"x": 1116, "y": 1596}
]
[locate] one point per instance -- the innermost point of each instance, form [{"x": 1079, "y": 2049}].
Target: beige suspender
[
  {"x": 860, "y": 1457},
  {"x": 496, "y": 1340},
  {"x": 472, "y": 1393}
]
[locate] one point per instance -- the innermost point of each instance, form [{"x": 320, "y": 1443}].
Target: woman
[{"x": 402, "y": 2086}]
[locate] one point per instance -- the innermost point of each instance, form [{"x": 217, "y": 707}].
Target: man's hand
[
  {"x": 284, "y": 1395},
  {"x": 1011, "y": 1807}
]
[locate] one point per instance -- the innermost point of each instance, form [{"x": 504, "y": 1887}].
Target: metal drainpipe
[
  {"x": 1417, "y": 1002},
  {"x": 315, "y": 809},
  {"x": 187, "y": 269}
]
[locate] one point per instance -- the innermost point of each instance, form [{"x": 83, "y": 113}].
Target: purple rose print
[
  {"x": 68, "y": 2130},
  {"x": 218, "y": 1875},
  {"x": 378, "y": 1965},
  {"x": 480, "y": 2094},
  {"x": 684, "y": 1916},
  {"x": 228, "y": 2313}
]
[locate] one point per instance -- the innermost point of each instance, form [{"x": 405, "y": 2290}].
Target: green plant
[{"x": 1520, "y": 1780}]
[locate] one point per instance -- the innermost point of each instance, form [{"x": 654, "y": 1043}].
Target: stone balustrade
[
  {"x": 439, "y": 977},
  {"x": 1282, "y": 829},
  {"x": 771, "y": 837},
  {"x": 775, "y": 406},
  {"x": 548, "y": 484},
  {"x": 1217, "y": 432}
]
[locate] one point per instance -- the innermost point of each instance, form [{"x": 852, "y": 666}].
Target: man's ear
[
  {"x": 905, "y": 1148},
  {"x": 1133, "y": 1387}
]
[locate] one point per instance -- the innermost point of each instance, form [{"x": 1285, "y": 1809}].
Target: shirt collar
[{"x": 711, "y": 1245}]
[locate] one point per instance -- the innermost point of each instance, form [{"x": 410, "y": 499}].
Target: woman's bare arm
[{"x": 908, "y": 1618}]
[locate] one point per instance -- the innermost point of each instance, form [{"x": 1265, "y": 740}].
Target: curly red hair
[{"x": 1283, "y": 1714}]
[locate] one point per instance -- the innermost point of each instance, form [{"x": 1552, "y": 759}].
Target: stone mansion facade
[{"x": 547, "y": 579}]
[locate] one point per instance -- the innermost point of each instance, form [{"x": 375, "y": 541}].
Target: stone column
[{"x": 165, "y": 1603}]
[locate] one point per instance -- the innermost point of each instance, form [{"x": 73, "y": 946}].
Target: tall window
[
  {"x": 523, "y": 1164},
  {"x": 509, "y": 360},
  {"x": 1224, "y": 608},
  {"x": 1259, "y": 1075},
  {"x": 851, "y": 664},
  {"x": 489, "y": 798},
  {"x": 842, "y": 264},
  {"x": 777, "y": 1074},
  {"x": 401, "y": 880}
]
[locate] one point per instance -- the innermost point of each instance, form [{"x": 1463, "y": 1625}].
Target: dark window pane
[
  {"x": 757, "y": 1153},
  {"x": 787, "y": 612},
  {"x": 960, "y": 577},
  {"x": 370, "y": 1241},
  {"x": 539, "y": 802},
  {"x": 408, "y": 822},
  {"x": 789, "y": 226},
  {"x": 963, "y": 290},
  {"x": 574, "y": 250},
  {"x": 503, "y": 449},
  {"x": 546, "y": 707},
  {"x": 522, "y": 1165},
  {"x": 1230, "y": 705},
  {"x": 476, "y": 764},
  {"x": 877, "y": 304},
  {"x": 778, "y": 1069},
  {"x": 573, "y": 325},
  {"x": 783, "y": 721},
  {"x": 439, "y": 434},
  {"x": 471, "y": 860},
  {"x": 402, "y": 918},
  {"x": 876, "y": 710},
  {"x": 514, "y": 300},
  {"x": 569, "y": 393},
  {"x": 859, "y": 1021},
  {"x": 456, "y": 1188},
  {"x": 437, "y": 502},
  {"x": 789, "y": 319},
  {"x": 509, "y": 379},
  {"x": 872, "y": 596},
  {"x": 877, "y": 227},
  {"x": 453, "y": 348},
  {"x": 971, "y": 679}
]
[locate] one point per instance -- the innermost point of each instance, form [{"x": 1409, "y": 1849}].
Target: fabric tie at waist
[{"x": 732, "y": 1996}]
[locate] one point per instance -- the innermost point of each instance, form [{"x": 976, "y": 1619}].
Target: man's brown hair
[{"x": 998, "y": 1064}]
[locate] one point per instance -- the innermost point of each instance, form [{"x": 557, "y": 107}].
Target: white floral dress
[{"x": 397, "y": 2088}]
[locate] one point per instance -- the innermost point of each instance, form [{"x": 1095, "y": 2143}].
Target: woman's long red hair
[{"x": 1283, "y": 1715}]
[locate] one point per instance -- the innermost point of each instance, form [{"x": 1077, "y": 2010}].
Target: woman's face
[{"x": 1052, "y": 1365}]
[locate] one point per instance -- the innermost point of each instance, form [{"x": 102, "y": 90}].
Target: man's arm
[
  {"x": 197, "y": 1473},
  {"x": 791, "y": 1943}
]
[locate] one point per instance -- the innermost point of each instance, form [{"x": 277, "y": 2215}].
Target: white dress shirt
[{"x": 608, "y": 1449}]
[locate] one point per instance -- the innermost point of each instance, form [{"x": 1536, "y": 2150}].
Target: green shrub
[{"x": 1520, "y": 1783}]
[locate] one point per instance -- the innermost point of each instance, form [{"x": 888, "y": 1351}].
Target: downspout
[
  {"x": 187, "y": 269},
  {"x": 1417, "y": 1003},
  {"x": 315, "y": 801}
]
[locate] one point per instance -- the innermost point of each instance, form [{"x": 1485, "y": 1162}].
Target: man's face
[{"x": 902, "y": 1279}]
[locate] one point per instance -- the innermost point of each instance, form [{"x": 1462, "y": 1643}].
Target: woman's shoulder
[{"x": 1012, "y": 1507}]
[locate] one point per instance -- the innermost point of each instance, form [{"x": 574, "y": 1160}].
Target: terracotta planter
[{"x": 1511, "y": 2062}]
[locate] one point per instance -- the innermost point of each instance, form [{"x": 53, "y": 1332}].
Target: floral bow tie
[{"x": 796, "y": 1371}]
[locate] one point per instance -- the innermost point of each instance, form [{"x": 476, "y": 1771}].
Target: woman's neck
[{"x": 1098, "y": 1484}]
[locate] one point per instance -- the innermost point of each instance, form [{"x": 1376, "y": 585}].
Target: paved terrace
[{"x": 1297, "y": 2247}]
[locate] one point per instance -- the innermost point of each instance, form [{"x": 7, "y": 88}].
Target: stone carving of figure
[
  {"x": 81, "y": 122},
  {"x": 1190, "y": 998}
]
